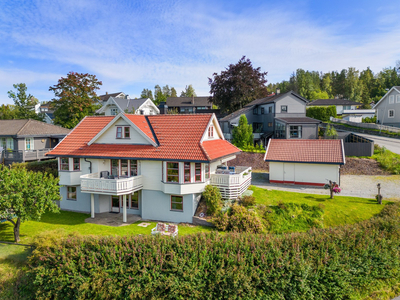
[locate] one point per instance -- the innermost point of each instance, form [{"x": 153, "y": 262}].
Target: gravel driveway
[{"x": 352, "y": 185}]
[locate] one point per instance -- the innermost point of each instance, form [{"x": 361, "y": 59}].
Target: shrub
[
  {"x": 388, "y": 160},
  {"x": 247, "y": 201},
  {"x": 369, "y": 119},
  {"x": 46, "y": 166},
  {"x": 348, "y": 262},
  {"x": 330, "y": 132},
  {"x": 238, "y": 219},
  {"x": 213, "y": 199},
  {"x": 321, "y": 113}
]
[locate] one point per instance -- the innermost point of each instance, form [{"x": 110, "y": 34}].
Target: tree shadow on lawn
[
  {"x": 64, "y": 218},
  {"x": 7, "y": 232},
  {"x": 316, "y": 199},
  {"x": 367, "y": 201}
]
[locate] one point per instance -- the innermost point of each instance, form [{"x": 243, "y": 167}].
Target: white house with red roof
[
  {"x": 305, "y": 162},
  {"x": 153, "y": 166}
]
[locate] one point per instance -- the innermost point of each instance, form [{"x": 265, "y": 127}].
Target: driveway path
[
  {"x": 352, "y": 185},
  {"x": 389, "y": 143}
]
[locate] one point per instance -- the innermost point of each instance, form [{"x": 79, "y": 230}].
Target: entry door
[
  {"x": 115, "y": 204},
  {"x": 288, "y": 173}
]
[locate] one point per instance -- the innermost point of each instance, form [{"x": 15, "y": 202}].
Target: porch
[
  {"x": 10, "y": 156},
  {"x": 102, "y": 183},
  {"x": 113, "y": 219},
  {"x": 231, "y": 181}
]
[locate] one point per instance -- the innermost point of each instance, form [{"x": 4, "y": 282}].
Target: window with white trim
[
  {"x": 391, "y": 99},
  {"x": 207, "y": 171},
  {"x": 211, "y": 131},
  {"x": 197, "y": 170},
  {"x": 177, "y": 203},
  {"x": 71, "y": 193},
  {"x": 77, "y": 164},
  {"x": 123, "y": 132},
  {"x": 391, "y": 113},
  {"x": 187, "y": 169},
  {"x": 114, "y": 111},
  {"x": 283, "y": 108},
  {"x": 10, "y": 144},
  {"x": 64, "y": 163},
  {"x": 29, "y": 143},
  {"x": 397, "y": 98}
]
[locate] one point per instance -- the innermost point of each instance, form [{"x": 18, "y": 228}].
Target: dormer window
[
  {"x": 123, "y": 132},
  {"x": 114, "y": 111},
  {"x": 211, "y": 131}
]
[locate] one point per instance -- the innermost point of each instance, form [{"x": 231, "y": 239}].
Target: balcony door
[
  {"x": 115, "y": 204},
  {"x": 124, "y": 167}
]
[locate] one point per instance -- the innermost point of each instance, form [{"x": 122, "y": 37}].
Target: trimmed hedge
[
  {"x": 49, "y": 166},
  {"x": 321, "y": 112},
  {"x": 336, "y": 263}
]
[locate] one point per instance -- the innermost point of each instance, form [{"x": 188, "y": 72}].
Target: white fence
[{"x": 366, "y": 125}]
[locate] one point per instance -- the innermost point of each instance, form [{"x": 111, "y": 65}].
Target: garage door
[{"x": 288, "y": 173}]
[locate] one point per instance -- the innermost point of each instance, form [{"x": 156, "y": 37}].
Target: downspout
[{"x": 90, "y": 167}]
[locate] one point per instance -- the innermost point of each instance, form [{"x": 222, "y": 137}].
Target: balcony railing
[
  {"x": 25, "y": 155},
  {"x": 93, "y": 183},
  {"x": 233, "y": 185}
]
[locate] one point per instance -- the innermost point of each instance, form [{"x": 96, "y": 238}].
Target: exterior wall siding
[
  {"x": 382, "y": 110},
  {"x": 299, "y": 173}
]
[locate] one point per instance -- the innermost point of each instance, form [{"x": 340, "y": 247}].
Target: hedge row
[
  {"x": 321, "y": 112},
  {"x": 334, "y": 263},
  {"x": 49, "y": 166}
]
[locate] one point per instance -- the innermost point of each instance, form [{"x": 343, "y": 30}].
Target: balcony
[
  {"x": 93, "y": 183},
  {"x": 232, "y": 184},
  {"x": 11, "y": 156}
]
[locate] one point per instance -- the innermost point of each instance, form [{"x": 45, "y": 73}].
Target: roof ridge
[{"x": 23, "y": 126}]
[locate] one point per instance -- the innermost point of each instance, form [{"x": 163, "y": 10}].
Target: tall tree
[
  {"x": 188, "y": 92},
  {"x": 242, "y": 135},
  {"x": 146, "y": 93},
  {"x": 26, "y": 195},
  {"x": 24, "y": 104},
  {"x": 238, "y": 85},
  {"x": 8, "y": 112},
  {"x": 173, "y": 92},
  {"x": 75, "y": 98}
]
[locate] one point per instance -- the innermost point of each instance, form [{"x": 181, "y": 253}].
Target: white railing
[
  {"x": 92, "y": 183},
  {"x": 232, "y": 186}
]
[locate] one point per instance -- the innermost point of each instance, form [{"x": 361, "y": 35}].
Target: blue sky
[{"x": 131, "y": 45}]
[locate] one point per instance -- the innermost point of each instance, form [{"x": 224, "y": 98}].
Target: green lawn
[{"x": 337, "y": 211}]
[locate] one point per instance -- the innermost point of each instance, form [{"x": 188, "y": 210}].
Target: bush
[
  {"x": 330, "y": 132},
  {"x": 213, "y": 199},
  {"x": 247, "y": 201},
  {"x": 349, "y": 262},
  {"x": 46, "y": 166},
  {"x": 369, "y": 119},
  {"x": 321, "y": 113},
  {"x": 238, "y": 219},
  {"x": 388, "y": 160}
]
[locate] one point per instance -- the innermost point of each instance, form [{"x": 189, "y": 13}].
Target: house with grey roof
[
  {"x": 142, "y": 106},
  {"x": 189, "y": 105},
  {"x": 28, "y": 140},
  {"x": 341, "y": 104},
  {"x": 388, "y": 108},
  {"x": 279, "y": 116},
  {"x": 104, "y": 98}
]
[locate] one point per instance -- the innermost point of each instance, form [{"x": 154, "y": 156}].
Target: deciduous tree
[
  {"x": 146, "y": 93},
  {"x": 238, "y": 85},
  {"x": 75, "y": 98},
  {"x": 188, "y": 92},
  {"x": 26, "y": 195},
  {"x": 24, "y": 104}
]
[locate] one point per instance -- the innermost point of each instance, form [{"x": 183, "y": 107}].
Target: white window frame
[
  {"x": 10, "y": 144},
  {"x": 390, "y": 110},
  {"x": 398, "y": 98},
  {"x": 391, "y": 99},
  {"x": 31, "y": 143},
  {"x": 3, "y": 143},
  {"x": 114, "y": 111}
]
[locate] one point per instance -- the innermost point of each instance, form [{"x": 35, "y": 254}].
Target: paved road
[{"x": 389, "y": 143}]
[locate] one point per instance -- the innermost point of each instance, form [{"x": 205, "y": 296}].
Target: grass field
[{"x": 337, "y": 211}]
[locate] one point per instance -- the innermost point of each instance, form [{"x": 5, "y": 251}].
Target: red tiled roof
[
  {"x": 178, "y": 138},
  {"x": 219, "y": 148},
  {"x": 305, "y": 151}
]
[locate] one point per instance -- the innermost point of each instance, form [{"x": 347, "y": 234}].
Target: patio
[{"x": 112, "y": 219}]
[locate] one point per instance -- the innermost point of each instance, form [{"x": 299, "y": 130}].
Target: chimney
[
  {"x": 106, "y": 93},
  {"x": 163, "y": 107},
  {"x": 278, "y": 91}
]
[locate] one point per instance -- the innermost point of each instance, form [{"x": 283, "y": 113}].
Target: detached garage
[{"x": 305, "y": 162}]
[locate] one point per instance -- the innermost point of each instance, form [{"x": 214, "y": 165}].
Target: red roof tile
[
  {"x": 303, "y": 151},
  {"x": 178, "y": 138}
]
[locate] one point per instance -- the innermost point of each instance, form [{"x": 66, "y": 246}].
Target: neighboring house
[
  {"x": 104, "y": 98},
  {"x": 388, "y": 108},
  {"x": 279, "y": 115},
  {"x": 48, "y": 113},
  {"x": 188, "y": 105},
  {"x": 152, "y": 166},
  {"x": 341, "y": 104},
  {"x": 357, "y": 115},
  {"x": 143, "y": 106},
  {"x": 26, "y": 140},
  {"x": 305, "y": 162}
]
